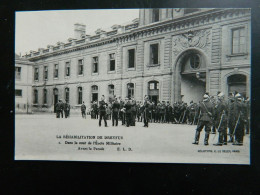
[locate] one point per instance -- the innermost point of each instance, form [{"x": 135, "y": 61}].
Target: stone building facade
[{"x": 169, "y": 54}]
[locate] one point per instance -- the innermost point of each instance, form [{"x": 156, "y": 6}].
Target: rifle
[
  {"x": 183, "y": 116},
  {"x": 236, "y": 126},
  {"x": 220, "y": 123}
]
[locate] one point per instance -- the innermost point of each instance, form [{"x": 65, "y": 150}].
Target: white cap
[
  {"x": 237, "y": 95},
  {"x": 220, "y": 94},
  {"x": 205, "y": 96}
]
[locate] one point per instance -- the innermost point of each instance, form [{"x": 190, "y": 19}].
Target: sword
[{"x": 220, "y": 123}]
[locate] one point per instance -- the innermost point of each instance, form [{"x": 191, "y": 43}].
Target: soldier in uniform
[
  {"x": 96, "y": 110},
  {"x": 121, "y": 112},
  {"x": 66, "y": 109},
  {"x": 247, "y": 103},
  {"x": 168, "y": 112},
  {"x": 133, "y": 112},
  {"x": 221, "y": 118},
  {"x": 191, "y": 109},
  {"x": 115, "y": 112},
  {"x": 206, "y": 110},
  {"x": 128, "y": 116},
  {"x": 83, "y": 110},
  {"x": 231, "y": 116},
  {"x": 239, "y": 115},
  {"x": 102, "y": 111},
  {"x": 146, "y": 111},
  {"x": 59, "y": 109}
]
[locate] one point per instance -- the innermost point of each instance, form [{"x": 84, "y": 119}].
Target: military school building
[{"x": 168, "y": 54}]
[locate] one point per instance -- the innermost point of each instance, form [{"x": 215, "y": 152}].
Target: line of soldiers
[{"x": 61, "y": 108}]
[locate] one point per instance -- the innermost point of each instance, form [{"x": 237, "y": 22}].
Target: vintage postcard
[{"x": 133, "y": 85}]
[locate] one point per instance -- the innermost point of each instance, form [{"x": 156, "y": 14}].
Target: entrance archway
[
  {"x": 190, "y": 76},
  {"x": 237, "y": 82},
  {"x": 153, "y": 91}
]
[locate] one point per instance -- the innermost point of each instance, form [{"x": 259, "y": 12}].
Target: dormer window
[{"x": 155, "y": 15}]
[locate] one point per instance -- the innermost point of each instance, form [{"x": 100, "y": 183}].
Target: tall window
[
  {"x": 67, "y": 69},
  {"x": 18, "y": 72},
  {"x": 111, "y": 91},
  {"x": 155, "y": 15},
  {"x": 94, "y": 90},
  {"x": 238, "y": 40},
  {"x": 45, "y": 74},
  {"x": 130, "y": 90},
  {"x": 80, "y": 67},
  {"x": 131, "y": 58},
  {"x": 35, "y": 95},
  {"x": 67, "y": 94},
  {"x": 36, "y": 74},
  {"x": 18, "y": 93},
  {"x": 79, "y": 95},
  {"x": 154, "y": 53},
  {"x": 112, "y": 62},
  {"x": 56, "y": 70},
  {"x": 44, "y": 96},
  {"x": 190, "y": 10},
  {"x": 95, "y": 64}
]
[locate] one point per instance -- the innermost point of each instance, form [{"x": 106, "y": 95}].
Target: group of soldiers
[{"x": 62, "y": 107}]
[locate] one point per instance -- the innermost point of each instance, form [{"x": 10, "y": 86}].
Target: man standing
[
  {"x": 102, "y": 111},
  {"x": 206, "y": 110},
  {"x": 146, "y": 111},
  {"x": 221, "y": 120},
  {"x": 83, "y": 110},
  {"x": 66, "y": 109},
  {"x": 115, "y": 111},
  {"x": 133, "y": 112},
  {"x": 128, "y": 110},
  {"x": 59, "y": 109}
]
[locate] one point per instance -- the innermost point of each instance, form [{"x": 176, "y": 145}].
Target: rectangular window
[
  {"x": 112, "y": 62},
  {"x": 18, "y": 93},
  {"x": 154, "y": 53},
  {"x": 45, "y": 76},
  {"x": 80, "y": 67},
  {"x": 45, "y": 96},
  {"x": 18, "y": 72},
  {"x": 56, "y": 70},
  {"x": 36, "y": 74},
  {"x": 95, "y": 64},
  {"x": 80, "y": 95},
  {"x": 131, "y": 58},
  {"x": 67, "y": 69},
  {"x": 155, "y": 16},
  {"x": 35, "y": 100},
  {"x": 238, "y": 40},
  {"x": 67, "y": 94}
]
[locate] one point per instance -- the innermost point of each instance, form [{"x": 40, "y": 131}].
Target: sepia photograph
[{"x": 161, "y": 85}]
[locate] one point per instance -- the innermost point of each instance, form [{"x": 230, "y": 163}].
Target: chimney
[{"x": 79, "y": 30}]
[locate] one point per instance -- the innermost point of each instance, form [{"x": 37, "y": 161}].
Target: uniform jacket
[
  {"x": 115, "y": 106},
  {"x": 206, "y": 114}
]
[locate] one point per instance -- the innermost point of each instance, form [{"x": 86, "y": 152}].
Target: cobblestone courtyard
[{"x": 43, "y": 137}]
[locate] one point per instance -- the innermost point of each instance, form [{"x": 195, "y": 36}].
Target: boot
[
  {"x": 197, "y": 137},
  {"x": 225, "y": 138},
  {"x": 220, "y": 139},
  {"x": 206, "y": 139}
]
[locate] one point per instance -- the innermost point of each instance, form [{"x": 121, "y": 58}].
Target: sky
[{"x": 37, "y": 29}]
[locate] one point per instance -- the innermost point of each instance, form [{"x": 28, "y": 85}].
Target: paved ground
[{"x": 43, "y": 137}]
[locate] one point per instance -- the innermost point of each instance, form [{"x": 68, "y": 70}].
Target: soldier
[
  {"x": 83, "y": 110},
  {"x": 221, "y": 118},
  {"x": 66, "y": 109},
  {"x": 102, "y": 111},
  {"x": 115, "y": 112},
  {"x": 168, "y": 112},
  {"x": 59, "y": 109},
  {"x": 95, "y": 106},
  {"x": 133, "y": 112},
  {"x": 191, "y": 109},
  {"x": 128, "y": 116},
  {"x": 146, "y": 111},
  {"x": 121, "y": 112},
  {"x": 231, "y": 116},
  {"x": 239, "y": 115},
  {"x": 247, "y": 103},
  {"x": 138, "y": 113},
  {"x": 206, "y": 109}
]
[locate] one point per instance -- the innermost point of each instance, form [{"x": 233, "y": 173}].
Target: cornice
[{"x": 199, "y": 19}]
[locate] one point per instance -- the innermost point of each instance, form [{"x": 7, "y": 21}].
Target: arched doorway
[
  {"x": 190, "y": 76},
  {"x": 237, "y": 82},
  {"x": 94, "y": 92},
  {"x": 153, "y": 91},
  {"x": 55, "y": 97},
  {"x": 111, "y": 92}
]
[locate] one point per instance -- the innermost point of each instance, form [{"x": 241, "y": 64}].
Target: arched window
[
  {"x": 79, "y": 95},
  {"x": 130, "y": 90},
  {"x": 35, "y": 95},
  {"x": 67, "y": 94},
  {"x": 237, "y": 82},
  {"x": 94, "y": 91}
]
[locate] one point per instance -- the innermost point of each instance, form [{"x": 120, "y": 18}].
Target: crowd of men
[{"x": 215, "y": 114}]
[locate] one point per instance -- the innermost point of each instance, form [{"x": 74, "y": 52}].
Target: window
[
  {"x": 18, "y": 93},
  {"x": 130, "y": 90},
  {"x": 153, "y": 85},
  {"x": 56, "y": 70},
  {"x": 67, "y": 69},
  {"x": 238, "y": 40},
  {"x": 111, "y": 91},
  {"x": 154, "y": 53},
  {"x": 18, "y": 72},
  {"x": 131, "y": 58},
  {"x": 44, "y": 96},
  {"x": 194, "y": 61},
  {"x": 36, "y": 74},
  {"x": 155, "y": 15},
  {"x": 67, "y": 94},
  {"x": 95, "y": 64},
  {"x": 45, "y": 74},
  {"x": 80, "y": 67},
  {"x": 35, "y": 96},
  {"x": 94, "y": 90},
  {"x": 79, "y": 95},
  {"x": 112, "y": 62},
  {"x": 190, "y": 10}
]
